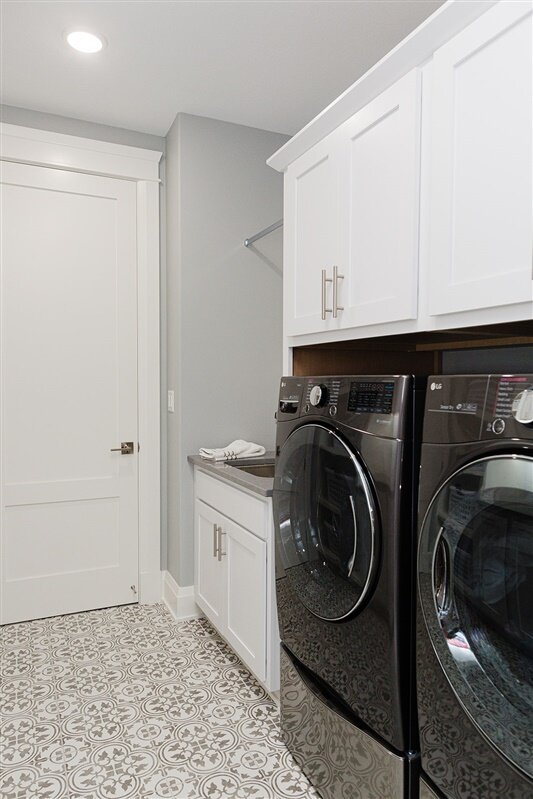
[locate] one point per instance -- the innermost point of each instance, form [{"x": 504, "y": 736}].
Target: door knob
[{"x": 126, "y": 448}]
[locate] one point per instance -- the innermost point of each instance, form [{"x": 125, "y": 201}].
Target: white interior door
[{"x": 69, "y": 539}]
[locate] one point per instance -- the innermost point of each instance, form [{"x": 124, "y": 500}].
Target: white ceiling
[{"x": 271, "y": 64}]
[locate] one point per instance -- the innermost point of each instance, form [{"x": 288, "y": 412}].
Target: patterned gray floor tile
[{"x": 125, "y": 703}]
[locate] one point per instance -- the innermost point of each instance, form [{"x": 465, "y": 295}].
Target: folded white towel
[{"x": 237, "y": 449}]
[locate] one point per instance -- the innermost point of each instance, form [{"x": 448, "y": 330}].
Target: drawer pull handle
[{"x": 215, "y": 540}]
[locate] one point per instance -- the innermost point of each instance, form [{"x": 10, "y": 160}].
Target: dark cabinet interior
[{"x": 492, "y": 348}]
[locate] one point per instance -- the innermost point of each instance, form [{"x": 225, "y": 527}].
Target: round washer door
[
  {"x": 476, "y": 590},
  {"x": 325, "y": 522}
]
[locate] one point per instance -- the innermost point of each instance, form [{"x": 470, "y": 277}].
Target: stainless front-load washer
[
  {"x": 345, "y": 567},
  {"x": 475, "y": 587}
]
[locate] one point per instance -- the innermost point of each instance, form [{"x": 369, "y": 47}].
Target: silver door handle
[
  {"x": 215, "y": 540},
  {"x": 336, "y": 278},
  {"x": 220, "y": 534},
  {"x": 324, "y": 281},
  {"x": 126, "y": 448}
]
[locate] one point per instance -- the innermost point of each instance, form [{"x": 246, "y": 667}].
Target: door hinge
[{"x": 133, "y": 588}]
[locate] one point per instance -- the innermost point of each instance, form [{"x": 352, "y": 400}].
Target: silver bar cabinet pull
[
  {"x": 324, "y": 281},
  {"x": 215, "y": 540},
  {"x": 220, "y": 534},
  {"x": 336, "y": 278}
]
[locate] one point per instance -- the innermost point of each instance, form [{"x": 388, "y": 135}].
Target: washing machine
[
  {"x": 475, "y": 587},
  {"x": 344, "y": 512}
]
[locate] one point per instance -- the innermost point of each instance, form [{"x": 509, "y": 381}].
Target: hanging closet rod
[{"x": 262, "y": 233}]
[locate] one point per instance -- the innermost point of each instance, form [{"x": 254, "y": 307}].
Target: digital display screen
[{"x": 370, "y": 397}]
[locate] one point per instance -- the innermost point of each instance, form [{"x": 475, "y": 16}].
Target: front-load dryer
[
  {"x": 475, "y": 576},
  {"x": 343, "y": 515}
]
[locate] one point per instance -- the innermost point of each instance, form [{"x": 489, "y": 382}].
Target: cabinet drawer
[{"x": 234, "y": 503}]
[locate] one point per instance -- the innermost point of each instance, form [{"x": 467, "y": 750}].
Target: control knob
[
  {"x": 318, "y": 396},
  {"x": 522, "y": 408}
]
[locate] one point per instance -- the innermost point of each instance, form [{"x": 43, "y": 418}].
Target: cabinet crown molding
[{"x": 411, "y": 52}]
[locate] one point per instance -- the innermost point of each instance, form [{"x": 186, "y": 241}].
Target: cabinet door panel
[
  {"x": 247, "y": 590},
  {"x": 311, "y": 237},
  {"x": 379, "y": 207},
  {"x": 481, "y": 195},
  {"x": 210, "y": 582}
]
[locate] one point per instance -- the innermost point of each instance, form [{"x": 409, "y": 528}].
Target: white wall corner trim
[
  {"x": 148, "y": 365},
  {"x": 179, "y": 599},
  {"x": 62, "y": 151}
]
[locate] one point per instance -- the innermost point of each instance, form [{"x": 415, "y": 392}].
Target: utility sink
[{"x": 263, "y": 469}]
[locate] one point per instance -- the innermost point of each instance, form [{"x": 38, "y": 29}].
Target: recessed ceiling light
[{"x": 85, "y": 42}]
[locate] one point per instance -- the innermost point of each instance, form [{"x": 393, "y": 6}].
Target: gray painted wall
[
  {"x": 224, "y": 303},
  {"x": 79, "y": 127}
]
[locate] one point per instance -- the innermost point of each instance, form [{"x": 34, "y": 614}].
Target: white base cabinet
[
  {"x": 234, "y": 572},
  {"x": 246, "y": 591},
  {"x": 210, "y": 578}
]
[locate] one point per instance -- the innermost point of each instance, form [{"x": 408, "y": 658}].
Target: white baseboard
[
  {"x": 179, "y": 599},
  {"x": 150, "y": 587}
]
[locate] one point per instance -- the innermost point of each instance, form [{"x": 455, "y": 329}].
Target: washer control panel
[
  {"x": 322, "y": 392},
  {"x": 509, "y": 406},
  {"x": 498, "y": 426},
  {"x": 376, "y": 404},
  {"x": 290, "y": 397},
  {"x": 371, "y": 396},
  {"x": 318, "y": 396},
  {"x": 522, "y": 408}
]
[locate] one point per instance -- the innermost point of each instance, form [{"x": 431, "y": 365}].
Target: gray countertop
[{"x": 225, "y": 470}]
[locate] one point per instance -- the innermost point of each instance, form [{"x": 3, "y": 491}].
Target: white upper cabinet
[
  {"x": 311, "y": 238},
  {"x": 408, "y": 201},
  {"x": 481, "y": 164},
  {"x": 351, "y": 219},
  {"x": 379, "y": 180}
]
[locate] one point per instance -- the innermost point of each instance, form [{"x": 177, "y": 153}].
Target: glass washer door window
[
  {"x": 326, "y": 522},
  {"x": 476, "y": 590}
]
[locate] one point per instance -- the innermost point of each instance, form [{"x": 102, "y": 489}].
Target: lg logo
[{"x": 436, "y": 386}]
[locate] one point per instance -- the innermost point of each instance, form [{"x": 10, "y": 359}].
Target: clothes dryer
[
  {"x": 343, "y": 515},
  {"x": 475, "y": 587}
]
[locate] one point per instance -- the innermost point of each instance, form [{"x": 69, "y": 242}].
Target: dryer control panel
[
  {"x": 509, "y": 407},
  {"x": 462, "y": 408}
]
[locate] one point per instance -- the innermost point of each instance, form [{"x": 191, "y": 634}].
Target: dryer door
[
  {"x": 476, "y": 591},
  {"x": 326, "y": 522}
]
